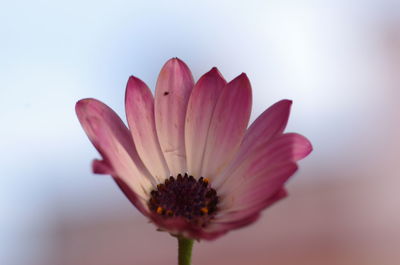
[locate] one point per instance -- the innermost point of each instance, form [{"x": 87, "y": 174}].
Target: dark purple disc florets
[{"x": 184, "y": 196}]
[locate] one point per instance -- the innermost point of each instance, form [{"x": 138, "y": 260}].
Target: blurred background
[{"x": 338, "y": 60}]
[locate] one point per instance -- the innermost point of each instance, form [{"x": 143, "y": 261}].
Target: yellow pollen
[
  {"x": 204, "y": 210},
  {"x": 205, "y": 180},
  {"x": 159, "y": 210}
]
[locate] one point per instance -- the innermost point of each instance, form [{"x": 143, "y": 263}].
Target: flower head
[{"x": 188, "y": 162}]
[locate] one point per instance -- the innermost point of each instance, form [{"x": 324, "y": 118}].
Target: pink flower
[{"x": 188, "y": 162}]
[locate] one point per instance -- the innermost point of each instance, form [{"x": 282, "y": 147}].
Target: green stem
[{"x": 185, "y": 250}]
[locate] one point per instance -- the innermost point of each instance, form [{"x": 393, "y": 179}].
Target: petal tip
[
  {"x": 175, "y": 60},
  {"x": 134, "y": 83},
  {"x": 214, "y": 73},
  {"x": 78, "y": 104},
  {"x": 310, "y": 147},
  {"x": 81, "y": 104},
  {"x": 133, "y": 78},
  {"x": 307, "y": 144},
  {"x": 242, "y": 79},
  {"x": 284, "y": 105},
  {"x": 243, "y": 75},
  {"x": 288, "y": 102},
  {"x": 304, "y": 149},
  {"x": 176, "y": 67}
]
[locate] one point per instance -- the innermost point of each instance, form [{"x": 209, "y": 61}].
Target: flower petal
[
  {"x": 113, "y": 141},
  {"x": 132, "y": 196},
  {"x": 179, "y": 226},
  {"x": 289, "y": 147},
  {"x": 102, "y": 167},
  {"x": 251, "y": 197},
  {"x": 228, "y": 125},
  {"x": 139, "y": 104},
  {"x": 236, "y": 220},
  {"x": 269, "y": 124},
  {"x": 173, "y": 89},
  {"x": 198, "y": 117},
  {"x": 219, "y": 227}
]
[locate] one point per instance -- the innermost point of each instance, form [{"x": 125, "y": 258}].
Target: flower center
[{"x": 184, "y": 196}]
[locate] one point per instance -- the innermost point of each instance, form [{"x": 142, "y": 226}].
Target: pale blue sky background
[{"x": 338, "y": 61}]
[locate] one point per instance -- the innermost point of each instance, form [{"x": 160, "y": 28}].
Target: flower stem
[{"x": 185, "y": 246}]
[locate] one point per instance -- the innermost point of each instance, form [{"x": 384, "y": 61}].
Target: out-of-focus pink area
[{"x": 338, "y": 60}]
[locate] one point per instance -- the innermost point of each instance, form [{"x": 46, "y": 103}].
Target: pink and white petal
[
  {"x": 250, "y": 195},
  {"x": 217, "y": 229},
  {"x": 290, "y": 146},
  {"x": 268, "y": 125},
  {"x": 173, "y": 89},
  {"x": 139, "y": 105},
  {"x": 113, "y": 141},
  {"x": 132, "y": 196},
  {"x": 235, "y": 220},
  {"x": 228, "y": 125},
  {"x": 220, "y": 227},
  {"x": 282, "y": 149},
  {"x": 198, "y": 117}
]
